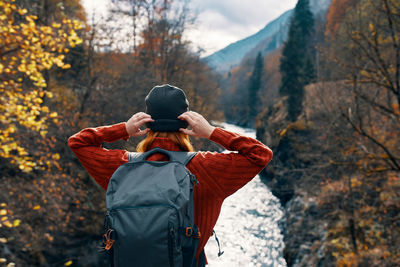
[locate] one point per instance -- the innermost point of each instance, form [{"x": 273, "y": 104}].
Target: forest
[{"x": 326, "y": 102}]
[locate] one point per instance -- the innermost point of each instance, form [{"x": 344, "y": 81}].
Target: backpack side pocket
[{"x": 108, "y": 239}]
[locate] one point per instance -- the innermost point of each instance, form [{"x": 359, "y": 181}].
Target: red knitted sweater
[{"x": 219, "y": 174}]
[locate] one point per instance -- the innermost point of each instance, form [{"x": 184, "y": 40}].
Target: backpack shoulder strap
[
  {"x": 134, "y": 156},
  {"x": 183, "y": 156}
]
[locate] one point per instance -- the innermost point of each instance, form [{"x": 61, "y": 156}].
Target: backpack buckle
[
  {"x": 198, "y": 235},
  {"x": 107, "y": 240},
  {"x": 189, "y": 231}
]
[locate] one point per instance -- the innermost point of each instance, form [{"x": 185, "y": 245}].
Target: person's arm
[
  {"x": 101, "y": 163},
  {"x": 228, "y": 172},
  {"x": 233, "y": 170}
]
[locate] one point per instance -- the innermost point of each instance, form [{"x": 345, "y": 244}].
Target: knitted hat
[{"x": 164, "y": 104}]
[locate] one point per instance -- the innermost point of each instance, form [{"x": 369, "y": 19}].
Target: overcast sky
[{"x": 221, "y": 22}]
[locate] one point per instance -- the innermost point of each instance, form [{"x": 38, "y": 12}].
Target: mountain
[
  {"x": 271, "y": 37},
  {"x": 231, "y": 55}
]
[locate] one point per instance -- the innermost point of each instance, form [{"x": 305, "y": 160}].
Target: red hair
[{"x": 179, "y": 138}]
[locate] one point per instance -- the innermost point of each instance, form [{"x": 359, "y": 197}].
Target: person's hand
[
  {"x": 135, "y": 122},
  {"x": 200, "y": 126}
]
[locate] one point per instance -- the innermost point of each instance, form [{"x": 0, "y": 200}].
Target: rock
[{"x": 288, "y": 177}]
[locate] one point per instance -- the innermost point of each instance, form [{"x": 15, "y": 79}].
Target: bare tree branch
[{"x": 361, "y": 131}]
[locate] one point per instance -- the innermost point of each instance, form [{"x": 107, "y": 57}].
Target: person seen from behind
[{"x": 169, "y": 124}]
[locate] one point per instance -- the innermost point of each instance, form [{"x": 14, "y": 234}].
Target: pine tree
[
  {"x": 254, "y": 87},
  {"x": 297, "y": 64}
]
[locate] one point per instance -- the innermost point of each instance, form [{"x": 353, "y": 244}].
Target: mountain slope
[
  {"x": 272, "y": 36},
  {"x": 231, "y": 55}
]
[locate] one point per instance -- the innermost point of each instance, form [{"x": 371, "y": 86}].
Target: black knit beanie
[{"x": 164, "y": 104}]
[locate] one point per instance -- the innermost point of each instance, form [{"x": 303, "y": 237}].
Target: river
[{"x": 247, "y": 227}]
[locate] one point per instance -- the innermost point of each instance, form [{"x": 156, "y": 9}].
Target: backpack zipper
[
  {"x": 171, "y": 244},
  {"x": 106, "y": 222}
]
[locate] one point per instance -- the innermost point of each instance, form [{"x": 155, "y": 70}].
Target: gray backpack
[{"x": 150, "y": 212}]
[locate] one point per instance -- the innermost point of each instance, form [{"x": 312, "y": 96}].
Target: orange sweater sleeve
[
  {"x": 228, "y": 172},
  {"x": 101, "y": 163}
]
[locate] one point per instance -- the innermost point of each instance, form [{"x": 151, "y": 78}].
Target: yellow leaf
[
  {"x": 3, "y": 212},
  {"x": 37, "y": 207},
  {"x": 16, "y": 223},
  {"x": 49, "y": 237},
  {"x": 68, "y": 263},
  {"x": 3, "y": 240},
  {"x": 8, "y": 224},
  {"x": 3, "y": 260},
  {"x": 3, "y": 204},
  {"x": 364, "y": 73},
  {"x": 371, "y": 27},
  {"x": 22, "y": 11}
]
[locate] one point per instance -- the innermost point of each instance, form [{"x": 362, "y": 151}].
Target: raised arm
[
  {"x": 101, "y": 163},
  {"x": 227, "y": 172}
]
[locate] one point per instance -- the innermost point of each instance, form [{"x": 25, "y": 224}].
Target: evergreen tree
[
  {"x": 254, "y": 87},
  {"x": 297, "y": 64}
]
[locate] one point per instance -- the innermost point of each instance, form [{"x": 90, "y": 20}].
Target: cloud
[
  {"x": 220, "y": 22},
  {"x": 249, "y": 12},
  {"x": 227, "y": 21}
]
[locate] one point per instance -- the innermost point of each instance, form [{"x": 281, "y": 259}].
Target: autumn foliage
[
  {"x": 365, "y": 230},
  {"x": 338, "y": 10},
  {"x": 337, "y": 167},
  {"x": 27, "y": 49},
  {"x": 338, "y": 163},
  {"x": 57, "y": 76}
]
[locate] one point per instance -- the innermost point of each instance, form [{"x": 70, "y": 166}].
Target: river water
[{"x": 247, "y": 227}]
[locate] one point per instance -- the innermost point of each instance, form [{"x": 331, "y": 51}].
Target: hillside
[
  {"x": 231, "y": 55},
  {"x": 271, "y": 37},
  {"x": 336, "y": 166}
]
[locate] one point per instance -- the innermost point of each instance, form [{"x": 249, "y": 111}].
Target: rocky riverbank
[
  {"x": 340, "y": 206},
  {"x": 291, "y": 179}
]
